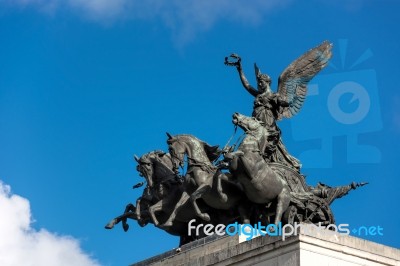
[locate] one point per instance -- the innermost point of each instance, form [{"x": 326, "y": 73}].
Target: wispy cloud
[
  {"x": 188, "y": 18},
  {"x": 20, "y": 244},
  {"x": 185, "y": 18}
]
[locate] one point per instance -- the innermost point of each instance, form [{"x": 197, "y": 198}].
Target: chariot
[{"x": 305, "y": 205}]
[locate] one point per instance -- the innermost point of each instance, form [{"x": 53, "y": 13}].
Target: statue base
[{"x": 312, "y": 246}]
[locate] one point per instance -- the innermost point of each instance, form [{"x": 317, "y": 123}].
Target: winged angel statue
[{"x": 270, "y": 107}]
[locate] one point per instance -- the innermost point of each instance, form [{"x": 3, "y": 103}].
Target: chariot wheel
[
  {"x": 291, "y": 216},
  {"x": 317, "y": 210}
]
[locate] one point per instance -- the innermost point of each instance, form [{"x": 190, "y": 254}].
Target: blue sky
[{"x": 84, "y": 85}]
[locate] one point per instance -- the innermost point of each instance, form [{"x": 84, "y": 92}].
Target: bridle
[
  {"x": 251, "y": 133},
  {"x": 156, "y": 181},
  {"x": 175, "y": 156},
  {"x": 191, "y": 161}
]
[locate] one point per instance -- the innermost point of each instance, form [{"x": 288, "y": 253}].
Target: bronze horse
[
  {"x": 210, "y": 184},
  {"x": 260, "y": 182},
  {"x": 159, "y": 197},
  {"x": 167, "y": 188}
]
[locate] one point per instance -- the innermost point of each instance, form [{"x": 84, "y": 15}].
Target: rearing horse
[
  {"x": 156, "y": 168},
  {"x": 200, "y": 171},
  {"x": 158, "y": 171},
  {"x": 260, "y": 182},
  {"x": 159, "y": 198}
]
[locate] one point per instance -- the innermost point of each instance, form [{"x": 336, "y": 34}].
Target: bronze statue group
[{"x": 259, "y": 181}]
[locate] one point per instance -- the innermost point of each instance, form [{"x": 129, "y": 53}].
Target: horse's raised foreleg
[
  {"x": 153, "y": 209},
  {"x": 142, "y": 221},
  {"x": 221, "y": 194},
  {"x": 282, "y": 204},
  {"x": 228, "y": 178},
  {"x": 138, "y": 208},
  {"x": 200, "y": 191},
  {"x": 113, "y": 222},
  {"x": 184, "y": 198},
  {"x": 232, "y": 159},
  {"x": 128, "y": 213}
]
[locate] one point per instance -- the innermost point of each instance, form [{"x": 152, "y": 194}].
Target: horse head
[
  {"x": 145, "y": 168},
  {"x": 258, "y": 137},
  {"x": 248, "y": 124},
  {"x": 177, "y": 151},
  {"x": 155, "y": 167}
]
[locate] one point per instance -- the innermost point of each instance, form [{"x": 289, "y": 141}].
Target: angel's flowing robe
[{"x": 266, "y": 108}]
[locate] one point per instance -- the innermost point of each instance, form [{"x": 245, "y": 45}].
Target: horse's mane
[
  {"x": 212, "y": 152},
  {"x": 162, "y": 167},
  {"x": 163, "y": 159}
]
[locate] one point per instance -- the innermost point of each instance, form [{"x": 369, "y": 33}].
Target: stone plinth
[{"x": 311, "y": 247}]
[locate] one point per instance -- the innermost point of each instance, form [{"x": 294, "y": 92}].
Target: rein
[
  {"x": 227, "y": 144},
  {"x": 232, "y": 148},
  {"x": 208, "y": 167},
  {"x": 247, "y": 133},
  {"x": 181, "y": 162},
  {"x": 191, "y": 162}
]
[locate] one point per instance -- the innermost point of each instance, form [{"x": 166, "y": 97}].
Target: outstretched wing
[{"x": 292, "y": 84}]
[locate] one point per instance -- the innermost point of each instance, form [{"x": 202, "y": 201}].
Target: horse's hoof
[
  {"x": 141, "y": 223},
  {"x": 205, "y": 217},
  {"x": 110, "y": 225},
  {"x": 165, "y": 225},
  {"x": 224, "y": 197},
  {"x": 125, "y": 227}
]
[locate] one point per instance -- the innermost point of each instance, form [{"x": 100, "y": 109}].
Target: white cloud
[
  {"x": 20, "y": 244},
  {"x": 100, "y": 9},
  {"x": 46, "y": 6},
  {"x": 185, "y": 18}
]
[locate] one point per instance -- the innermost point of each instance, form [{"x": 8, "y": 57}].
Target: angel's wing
[{"x": 292, "y": 84}]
